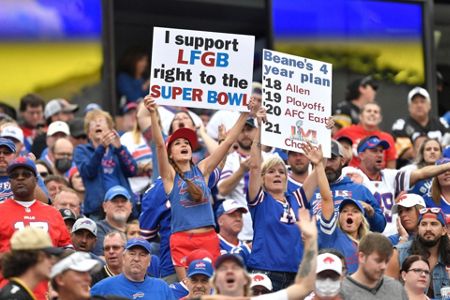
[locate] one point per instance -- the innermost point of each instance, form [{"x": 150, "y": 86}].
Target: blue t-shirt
[
  {"x": 179, "y": 290},
  {"x": 444, "y": 205},
  {"x": 186, "y": 213},
  {"x": 331, "y": 236},
  {"x": 155, "y": 217},
  {"x": 241, "y": 249},
  {"x": 150, "y": 288},
  {"x": 277, "y": 244}
]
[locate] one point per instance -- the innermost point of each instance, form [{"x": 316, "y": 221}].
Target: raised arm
[
  {"x": 166, "y": 171},
  {"x": 210, "y": 163},
  {"x": 306, "y": 275},
  {"x": 255, "y": 179},
  {"x": 427, "y": 172}
]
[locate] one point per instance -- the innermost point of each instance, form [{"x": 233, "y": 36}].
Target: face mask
[
  {"x": 327, "y": 287},
  {"x": 63, "y": 165}
]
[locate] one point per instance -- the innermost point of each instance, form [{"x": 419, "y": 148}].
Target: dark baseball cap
[
  {"x": 336, "y": 148},
  {"x": 226, "y": 257}
]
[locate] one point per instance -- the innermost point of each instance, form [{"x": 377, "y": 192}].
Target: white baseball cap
[
  {"x": 85, "y": 223},
  {"x": 418, "y": 91},
  {"x": 328, "y": 261},
  {"x": 52, "y": 108},
  {"x": 58, "y": 126},
  {"x": 408, "y": 200},
  {"x": 229, "y": 206},
  {"x": 78, "y": 261},
  {"x": 12, "y": 132},
  {"x": 262, "y": 280}
]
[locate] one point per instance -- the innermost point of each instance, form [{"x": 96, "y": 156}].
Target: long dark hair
[
  {"x": 444, "y": 249},
  {"x": 193, "y": 190},
  {"x": 407, "y": 263}
]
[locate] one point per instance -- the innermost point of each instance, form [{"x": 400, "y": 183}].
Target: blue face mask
[{"x": 327, "y": 287}]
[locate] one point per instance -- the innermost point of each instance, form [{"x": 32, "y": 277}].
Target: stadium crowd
[{"x": 171, "y": 203}]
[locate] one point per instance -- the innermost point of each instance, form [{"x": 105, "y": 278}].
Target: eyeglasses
[
  {"x": 65, "y": 155},
  {"x": 420, "y": 271},
  {"x": 114, "y": 248},
  {"x": 434, "y": 210},
  {"x": 5, "y": 152},
  {"x": 43, "y": 174},
  {"x": 25, "y": 174}
]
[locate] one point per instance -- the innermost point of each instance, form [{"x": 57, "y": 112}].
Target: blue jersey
[
  {"x": 150, "y": 288},
  {"x": 344, "y": 188},
  {"x": 331, "y": 236},
  {"x": 444, "y": 205},
  {"x": 179, "y": 289},
  {"x": 241, "y": 249},
  {"x": 155, "y": 217},
  {"x": 293, "y": 185},
  {"x": 186, "y": 213},
  {"x": 277, "y": 245},
  {"x": 422, "y": 187}
]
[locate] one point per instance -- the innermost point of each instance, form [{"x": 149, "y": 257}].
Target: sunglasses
[
  {"x": 25, "y": 174},
  {"x": 43, "y": 174},
  {"x": 434, "y": 210},
  {"x": 5, "y": 152}
]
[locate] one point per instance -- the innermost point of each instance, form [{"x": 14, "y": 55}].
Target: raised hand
[
  {"x": 330, "y": 123},
  {"x": 313, "y": 153},
  {"x": 253, "y": 106},
  {"x": 367, "y": 208},
  {"x": 261, "y": 116},
  {"x": 150, "y": 104}
]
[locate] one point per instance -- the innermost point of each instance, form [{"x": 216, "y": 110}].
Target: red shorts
[{"x": 183, "y": 243}]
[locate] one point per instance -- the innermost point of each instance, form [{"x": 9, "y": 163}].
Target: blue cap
[
  {"x": 200, "y": 266},
  {"x": 8, "y": 143},
  {"x": 23, "y": 162},
  {"x": 115, "y": 191},
  {"x": 139, "y": 242},
  {"x": 351, "y": 201},
  {"x": 92, "y": 106},
  {"x": 372, "y": 142}
]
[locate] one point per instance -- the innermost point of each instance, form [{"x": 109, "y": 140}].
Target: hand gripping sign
[{"x": 201, "y": 69}]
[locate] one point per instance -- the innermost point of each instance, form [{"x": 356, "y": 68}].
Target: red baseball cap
[{"x": 184, "y": 133}]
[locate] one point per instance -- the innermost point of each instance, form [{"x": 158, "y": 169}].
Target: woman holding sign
[{"x": 185, "y": 184}]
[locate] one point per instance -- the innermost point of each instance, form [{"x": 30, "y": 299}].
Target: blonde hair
[
  {"x": 247, "y": 290},
  {"x": 95, "y": 113},
  {"x": 270, "y": 163},
  {"x": 363, "y": 229}
]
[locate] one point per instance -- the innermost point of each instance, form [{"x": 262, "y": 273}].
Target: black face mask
[{"x": 63, "y": 165}]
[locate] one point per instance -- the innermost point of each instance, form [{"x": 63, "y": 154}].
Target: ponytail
[{"x": 193, "y": 190}]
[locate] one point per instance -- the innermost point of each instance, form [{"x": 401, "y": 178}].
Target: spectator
[
  {"x": 41, "y": 145},
  {"x": 369, "y": 282},
  {"x": 71, "y": 278},
  {"x": 55, "y": 184},
  {"x": 69, "y": 218},
  {"x": 117, "y": 206},
  {"x": 407, "y": 207},
  {"x": 431, "y": 242},
  {"x": 369, "y": 119},
  {"x": 60, "y": 156},
  {"x": 198, "y": 275},
  {"x": 359, "y": 93},
  {"x": 113, "y": 248},
  {"x": 299, "y": 170},
  {"x": 261, "y": 284},
  {"x": 7, "y": 150},
  {"x": 417, "y": 123},
  {"x": 132, "y": 84},
  {"x": 439, "y": 195},
  {"x": 103, "y": 163},
  {"x": 128, "y": 116},
  {"x": 84, "y": 235},
  {"x": 229, "y": 218},
  {"x": 186, "y": 186},
  {"x": 15, "y": 134},
  {"x": 68, "y": 198},
  {"x": 76, "y": 183},
  {"x": 415, "y": 275},
  {"x": 23, "y": 210},
  {"x": 28, "y": 263},
  {"x": 429, "y": 152},
  {"x": 59, "y": 110},
  {"x": 231, "y": 279},
  {"x": 32, "y": 112},
  {"x": 43, "y": 168},
  {"x": 386, "y": 184},
  {"x": 342, "y": 186},
  {"x": 133, "y": 230},
  {"x": 133, "y": 279},
  {"x": 233, "y": 183}
]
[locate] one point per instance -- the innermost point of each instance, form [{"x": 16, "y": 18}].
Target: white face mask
[{"x": 327, "y": 287}]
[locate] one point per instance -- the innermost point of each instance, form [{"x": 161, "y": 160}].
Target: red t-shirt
[
  {"x": 356, "y": 133},
  {"x": 14, "y": 216}
]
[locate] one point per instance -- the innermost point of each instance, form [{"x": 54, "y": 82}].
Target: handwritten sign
[
  {"x": 201, "y": 69},
  {"x": 297, "y": 98}
]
